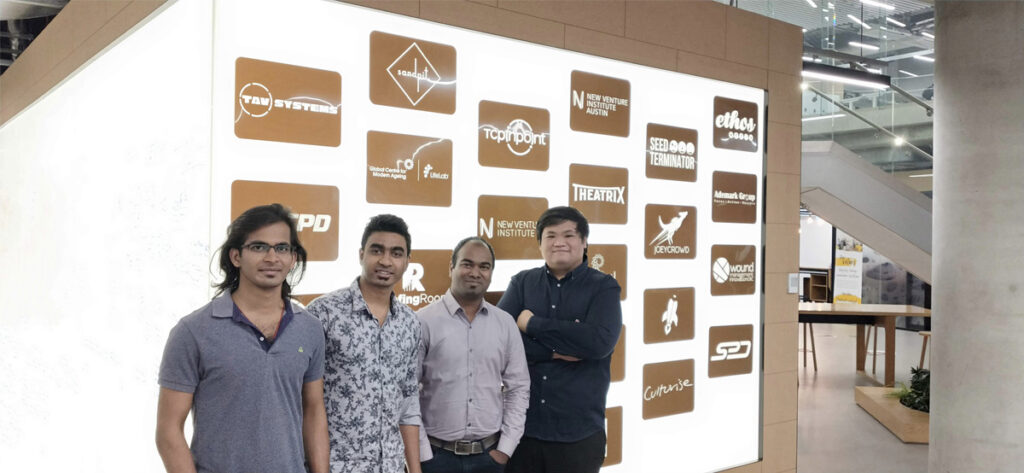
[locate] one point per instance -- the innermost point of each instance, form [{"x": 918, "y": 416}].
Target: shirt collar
[
  {"x": 224, "y": 307},
  {"x": 359, "y": 303},
  {"x": 575, "y": 273},
  {"x": 452, "y": 305}
]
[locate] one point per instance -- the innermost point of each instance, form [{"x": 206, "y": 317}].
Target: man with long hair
[{"x": 248, "y": 365}]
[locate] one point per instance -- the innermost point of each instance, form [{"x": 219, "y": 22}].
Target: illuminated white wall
[
  {"x": 114, "y": 186},
  {"x": 104, "y": 215}
]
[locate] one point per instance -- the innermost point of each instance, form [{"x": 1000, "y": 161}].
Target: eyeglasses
[{"x": 261, "y": 248}]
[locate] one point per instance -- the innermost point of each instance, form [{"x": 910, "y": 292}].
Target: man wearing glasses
[
  {"x": 372, "y": 341},
  {"x": 249, "y": 364}
]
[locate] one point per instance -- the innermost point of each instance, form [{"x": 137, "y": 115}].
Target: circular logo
[
  {"x": 720, "y": 270},
  {"x": 255, "y": 100},
  {"x": 520, "y": 137}
]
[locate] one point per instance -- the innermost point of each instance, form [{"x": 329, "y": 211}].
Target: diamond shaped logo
[{"x": 414, "y": 74}]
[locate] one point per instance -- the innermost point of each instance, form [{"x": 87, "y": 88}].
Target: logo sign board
[
  {"x": 291, "y": 104},
  {"x": 408, "y": 169},
  {"x": 730, "y": 350},
  {"x": 426, "y": 279},
  {"x": 613, "y": 434},
  {"x": 733, "y": 197},
  {"x": 618, "y": 366},
  {"x": 667, "y": 388},
  {"x": 599, "y": 192},
  {"x": 611, "y": 260},
  {"x": 599, "y": 104},
  {"x": 671, "y": 153},
  {"x": 510, "y": 224},
  {"x": 735, "y": 125},
  {"x": 513, "y": 136},
  {"x": 670, "y": 232},
  {"x": 314, "y": 208},
  {"x": 733, "y": 269},
  {"x": 412, "y": 73},
  {"x": 668, "y": 314}
]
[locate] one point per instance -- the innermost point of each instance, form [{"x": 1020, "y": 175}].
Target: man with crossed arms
[{"x": 475, "y": 383}]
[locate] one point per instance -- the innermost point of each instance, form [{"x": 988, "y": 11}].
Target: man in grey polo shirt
[
  {"x": 476, "y": 386},
  {"x": 249, "y": 364}
]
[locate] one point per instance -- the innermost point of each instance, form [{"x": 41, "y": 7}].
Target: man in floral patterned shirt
[{"x": 370, "y": 384}]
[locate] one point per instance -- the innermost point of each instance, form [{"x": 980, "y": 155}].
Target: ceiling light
[
  {"x": 911, "y": 74},
  {"x": 846, "y": 76},
  {"x": 805, "y": 30},
  {"x": 862, "y": 45},
  {"x": 857, "y": 20},
  {"x": 823, "y": 117},
  {"x": 925, "y": 58},
  {"x": 831, "y": 5},
  {"x": 807, "y": 58},
  {"x": 803, "y": 86},
  {"x": 817, "y": 59},
  {"x": 890, "y": 20},
  {"x": 877, "y": 4},
  {"x": 874, "y": 71},
  {"x": 898, "y": 141},
  {"x": 813, "y": 5},
  {"x": 921, "y": 175},
  {"x": 927, "y": 35}
]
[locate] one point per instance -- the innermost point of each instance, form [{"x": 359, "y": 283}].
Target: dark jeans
[
  {"x": 539, "y": 456},
  {"x": 448, "y": 462}
]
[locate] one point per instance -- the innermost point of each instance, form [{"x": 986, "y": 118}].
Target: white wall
[{"x": 104, "y": 204}]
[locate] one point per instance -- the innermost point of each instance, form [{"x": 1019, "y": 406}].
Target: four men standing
[{"x": 468, "y": 365}]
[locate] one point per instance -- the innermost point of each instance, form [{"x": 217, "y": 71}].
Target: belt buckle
[{"x": 463, "y": 447}]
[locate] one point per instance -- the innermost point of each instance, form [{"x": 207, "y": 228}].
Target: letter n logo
[{"x": 487, "y": 228}]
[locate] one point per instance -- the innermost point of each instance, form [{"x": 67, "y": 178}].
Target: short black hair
[
  {"x": 455, "y": 252},
  {"x": 387, "y": 223},
  {"x": 557, "y": 215},
  {"x": 239, "y": 230}
]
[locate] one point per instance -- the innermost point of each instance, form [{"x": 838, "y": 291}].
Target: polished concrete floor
[{"x": 834, "y": 434}]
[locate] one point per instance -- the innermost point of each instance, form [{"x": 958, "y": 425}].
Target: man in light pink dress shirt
[{"x": 475, "y": 386}]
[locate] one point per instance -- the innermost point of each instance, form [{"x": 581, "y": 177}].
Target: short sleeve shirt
[
  {"x": 247, "y": 399},
  {"x": 370, "y": 384}
]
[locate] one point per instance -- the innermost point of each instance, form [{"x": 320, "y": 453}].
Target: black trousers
[{"x": 540, "y": 456}]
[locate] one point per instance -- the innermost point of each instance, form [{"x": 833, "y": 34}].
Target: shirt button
[
  {"x": 261, "y": 339},
  {"x": 542, "y": 401},
  {"x": 552, "y": 306},
  {"x": 545, "y": 378},
  {"x": 559, "y": 285}
]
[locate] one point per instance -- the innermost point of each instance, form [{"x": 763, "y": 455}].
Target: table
[{"x": 862, "y": 314}]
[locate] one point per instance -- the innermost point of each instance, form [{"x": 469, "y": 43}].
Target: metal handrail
[{"x": 869, "y": 122}]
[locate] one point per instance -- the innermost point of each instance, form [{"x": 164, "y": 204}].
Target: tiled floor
[{"x": 834, "y": 434}]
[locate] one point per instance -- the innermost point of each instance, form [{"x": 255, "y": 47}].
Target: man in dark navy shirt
[{"x": 570, "y": 317}]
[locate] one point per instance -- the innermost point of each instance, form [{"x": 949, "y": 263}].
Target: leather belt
[{"x": 466, "y": 447}]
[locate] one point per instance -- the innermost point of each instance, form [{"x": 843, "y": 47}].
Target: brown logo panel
[
  {"x": 671, "y": 153},
  {"x": 735, "y": 125},
  {"x": 733, "y": 269},
  {"x": 668, "y": 388},
  {"x": 611, "y": 260},
  {"x": 514, "y": 136},
  {"x": 733, "y": 197},
  {"x": 426, "y": 279},
  {"x": 618, "y": 368},
  {"x": 510, "y": 224},
  {"x": 668, "y": 314},
  {"x": 613, "y": 432},
  {"x": 314, "y": 209},
  {"x": 412, "y": 73},
  {"x": 282, "y": 102},
  {"x": 494, "y": 296},
  {"x": 599, "y": 192},
  {"x": 599, "y": 104},
  {"x": 408, "y": 169},
  {"x": 305, "y": 299},
  {"x": 670, "y": 232},
  {"x": 730, "y": 350}
]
